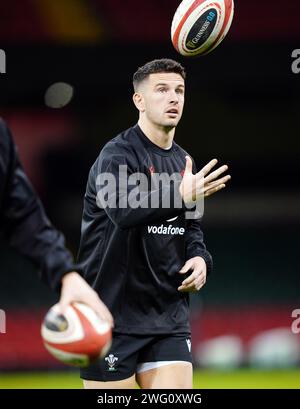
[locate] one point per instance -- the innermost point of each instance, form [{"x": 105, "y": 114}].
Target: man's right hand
[
  {"x": 75, "y": 288},
  {"x": 202, "y": 184}
]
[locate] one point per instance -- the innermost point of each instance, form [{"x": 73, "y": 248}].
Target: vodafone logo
[
  {"x": 163, "y": 230},
  {"x": 171, "y": 220},
  {"x": 166, "y": 230}
]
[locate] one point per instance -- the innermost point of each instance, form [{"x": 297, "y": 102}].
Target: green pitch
[{"x": 203, "y": 379}]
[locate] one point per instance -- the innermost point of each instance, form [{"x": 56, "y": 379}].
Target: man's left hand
[{"x": 198, "y": 277}]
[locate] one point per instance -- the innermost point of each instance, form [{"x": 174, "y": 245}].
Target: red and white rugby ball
[
  {"x": 199, "y": 26},
  {"x": 78, "y": 337}
]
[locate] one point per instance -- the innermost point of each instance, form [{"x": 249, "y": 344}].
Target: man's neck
[{"x": 160, "y": 136}]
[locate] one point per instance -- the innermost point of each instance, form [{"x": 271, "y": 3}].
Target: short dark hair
[{"x": 157, "y": 66}]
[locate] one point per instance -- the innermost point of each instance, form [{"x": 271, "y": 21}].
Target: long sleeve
[
  {"x": 194, "y": 239},
  {"x": 24, "y": 221},
  {"x": 195, "y": 245},
  {"x": 114, "y": 172}
]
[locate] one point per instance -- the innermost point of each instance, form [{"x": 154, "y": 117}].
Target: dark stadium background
[{"x": 242, "y": 107}]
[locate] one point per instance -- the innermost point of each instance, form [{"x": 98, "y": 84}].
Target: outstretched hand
[
  {"x": 76, "y": 289},
  {"x": 203, "y": 183}
]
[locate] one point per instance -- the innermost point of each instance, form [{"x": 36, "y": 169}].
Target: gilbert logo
[
  {"x": 111, "y": 360},
  {"x": 2, "y": 62}
]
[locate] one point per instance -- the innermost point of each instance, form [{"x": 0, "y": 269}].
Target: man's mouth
[{"x": 172, "y": 111}]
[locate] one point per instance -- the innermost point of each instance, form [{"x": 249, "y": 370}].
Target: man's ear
[{"x": 139, "y": 102}]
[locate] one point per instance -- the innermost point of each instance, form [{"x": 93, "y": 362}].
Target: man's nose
[{"x": 173, "y": 97}]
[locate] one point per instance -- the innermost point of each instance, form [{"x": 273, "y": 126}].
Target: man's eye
[
  {"x": 179, "y": 91},
  {"x": 162, "y": 89}
]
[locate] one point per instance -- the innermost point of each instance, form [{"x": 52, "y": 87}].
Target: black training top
[{"x": 132, "y": 255}]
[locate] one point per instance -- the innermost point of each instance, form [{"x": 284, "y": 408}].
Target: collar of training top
[{"x": 152, "y": 146}]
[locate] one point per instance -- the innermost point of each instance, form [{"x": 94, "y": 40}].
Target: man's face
[{"x": 163, "y": 97}]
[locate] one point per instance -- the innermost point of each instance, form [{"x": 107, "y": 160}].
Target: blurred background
[{"x": 242, "y": 107}]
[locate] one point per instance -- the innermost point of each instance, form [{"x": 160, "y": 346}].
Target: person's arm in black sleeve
[
  {"x": 166, "y": 199},
  {"x": 26, "y": 226},
  {"x": 30, "y": 232},
  {"x": 198, "y": 260},
  {"x": 195, "y": 246}
]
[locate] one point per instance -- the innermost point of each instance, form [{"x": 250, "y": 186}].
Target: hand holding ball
[{"x": 78, "y": 337}]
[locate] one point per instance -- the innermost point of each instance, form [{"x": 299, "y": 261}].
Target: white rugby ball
[
  {"x": 78, "y": 337},
  {"x": 199, "y": 26}
]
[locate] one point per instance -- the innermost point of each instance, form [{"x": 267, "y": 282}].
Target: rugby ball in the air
[
  {"x": 78, "y": 337},
  {"x": 200, "y": 25}
]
